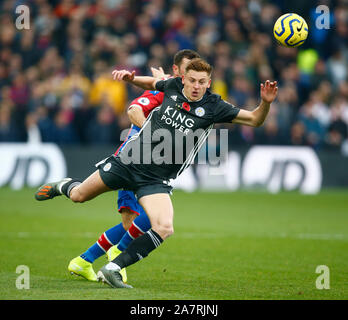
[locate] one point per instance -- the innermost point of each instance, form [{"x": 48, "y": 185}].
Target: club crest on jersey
[{"x": 200, "y": 112}]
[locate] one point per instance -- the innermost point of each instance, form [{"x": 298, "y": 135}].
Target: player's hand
[
  {"x": 159, "y": 73},
  {"x": 124, "y": 75},
  {"x": 269, "y": 91}
]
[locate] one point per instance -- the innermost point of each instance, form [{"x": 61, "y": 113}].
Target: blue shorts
[{"x": 126, "y": 199}]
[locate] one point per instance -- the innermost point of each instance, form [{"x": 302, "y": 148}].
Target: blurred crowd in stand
[{"x": 56, "y": 84}]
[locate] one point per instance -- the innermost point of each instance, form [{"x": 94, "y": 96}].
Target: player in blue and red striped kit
[{"x": 134, "y": 219}]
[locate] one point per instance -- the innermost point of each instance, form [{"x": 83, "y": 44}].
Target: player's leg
[
  {"x": 74, "y": 189},
  {"x": 139, "y": 226},
  {"x": 128, "y": 217},
  {"x": 82, "y": 264},
  {"x": 129, "y": 208},
  {"x": 87, "y": 190},
  {"x": 111, "y": 175},
  {"x": 135, "y": 221},
  {"x": 159, "y": 209},
  {"x": 160, "y": 212},
  {"x": 99, "y": 182},
  {"x": 109, "y": 238},
  {"x": 80, "y": 192}
]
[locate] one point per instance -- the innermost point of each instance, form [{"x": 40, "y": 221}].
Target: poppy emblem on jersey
[
  {"x": 144, "y": 101},
  {"x": 186, "y": 106},
  {"x": 107, "y": 167},
  {"x": 200, "y": 112}
]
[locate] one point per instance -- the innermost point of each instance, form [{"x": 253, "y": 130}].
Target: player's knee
[
  {"x": 76, "y": 196},
  {"x": 164, "y": 230}
]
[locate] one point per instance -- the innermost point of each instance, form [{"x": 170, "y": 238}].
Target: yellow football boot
[
  {"x": 112, "y": 253},
  {"x": 82, "y": 268}
]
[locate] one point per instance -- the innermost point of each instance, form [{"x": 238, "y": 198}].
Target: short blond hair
[{"x": 199, "y": 64}]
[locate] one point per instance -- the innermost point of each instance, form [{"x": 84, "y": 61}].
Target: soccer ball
[{"x": 290, "y": 30}]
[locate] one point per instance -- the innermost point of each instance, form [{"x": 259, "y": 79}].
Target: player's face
[
  {"x": 195, "y": 84},
  {"x": 180, "y": 70}
]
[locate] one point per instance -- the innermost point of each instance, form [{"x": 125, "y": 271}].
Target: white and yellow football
[{"x": 290, "y": 30}]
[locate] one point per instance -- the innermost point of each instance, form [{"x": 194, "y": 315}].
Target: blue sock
[
  {"x": 125, "y": 241},
  {"x": 140, "y": 225},
  {"x": 108, "y": 239}
]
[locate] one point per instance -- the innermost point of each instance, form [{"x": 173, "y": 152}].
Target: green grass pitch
[{"x": 242, "y": 245}]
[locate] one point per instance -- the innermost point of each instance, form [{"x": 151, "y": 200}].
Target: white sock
[{"x": 112, "y": 266}]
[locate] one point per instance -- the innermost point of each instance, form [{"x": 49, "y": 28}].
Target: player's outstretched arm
[
  {"x": 144, "y": 82},
  {"x": 255, "y": 118}
]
